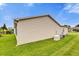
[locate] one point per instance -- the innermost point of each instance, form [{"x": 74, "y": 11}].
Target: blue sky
[{"x": 61, "y": 12}]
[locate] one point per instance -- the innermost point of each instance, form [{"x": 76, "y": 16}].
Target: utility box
[{"x": 57, "y": 37}]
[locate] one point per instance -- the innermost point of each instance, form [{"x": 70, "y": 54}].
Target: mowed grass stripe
[
  {"x": 74, "y": 50},
  {"x": 66, "y": 47},
  {"x": 48, "y": 48}
]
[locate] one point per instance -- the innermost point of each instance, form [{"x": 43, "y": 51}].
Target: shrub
[
  {"x": 0, "y": 35},
  {"x": 8, "y": 32}
]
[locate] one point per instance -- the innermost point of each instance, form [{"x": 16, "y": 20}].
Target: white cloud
[
  {"x": 2, "y": 5},
  {"x": 7, "y": 17},
  {"x": 29, "y": 4},
  {"x": 72, "y": 8},
  {"x": 68, "y": 6}
]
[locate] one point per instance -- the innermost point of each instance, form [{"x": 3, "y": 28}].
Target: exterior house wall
[
  {"x": 36, "y": 29},
  {"x": 65, "y": 30}
]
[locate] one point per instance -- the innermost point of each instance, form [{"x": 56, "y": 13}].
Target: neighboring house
[
  {"x": 76, "y": 29},
  {"x": 37, "y": 28}
]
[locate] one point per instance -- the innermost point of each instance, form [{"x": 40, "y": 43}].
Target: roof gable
[{"x": 21, "y": 19}]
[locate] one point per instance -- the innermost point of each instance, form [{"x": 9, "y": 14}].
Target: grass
[{"x": 67, "y": 46}]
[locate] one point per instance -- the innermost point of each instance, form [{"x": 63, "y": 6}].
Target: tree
[
  {"x": 77, "y": 25},
  {"x": 4, "y": 28},
  {"x": 69, "y": 27},
  {"x": 10, "y": 30},
  {"x": 76, "y": 28}
]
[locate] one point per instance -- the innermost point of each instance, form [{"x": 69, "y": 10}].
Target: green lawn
[{"x": 69, "y": 45}]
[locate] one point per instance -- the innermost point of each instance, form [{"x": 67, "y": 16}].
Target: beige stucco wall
[{"x": 36, "y": 29}]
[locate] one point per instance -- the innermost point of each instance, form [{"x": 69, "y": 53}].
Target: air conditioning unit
[{"x": 57, "y": 37}]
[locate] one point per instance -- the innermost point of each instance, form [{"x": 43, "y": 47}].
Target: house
[
  {"x": 65, "y": 30},
  {"x": 36, "y": 28},
  {"x": 76, "y": 29}
]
